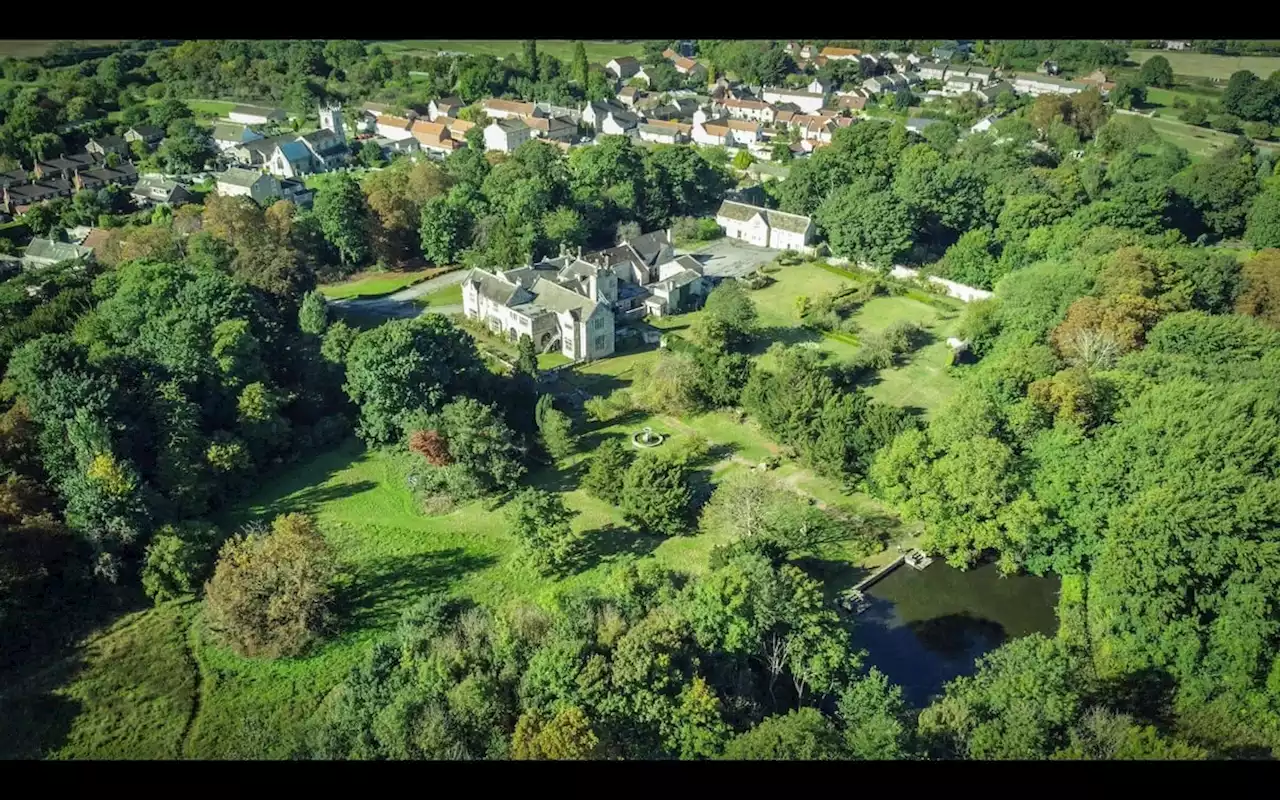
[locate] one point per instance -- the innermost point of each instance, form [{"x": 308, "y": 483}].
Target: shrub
[
  {"x": 271, "y": 594},
  {"x": 1227, "y": 123},
  {"x": 178, "y": 560},
  {"x": 605, "y": 473},
  {"x": 695, "y": 229},
  {"x": 1257, "y": 130},
  {"x": 656, "y": 495}
]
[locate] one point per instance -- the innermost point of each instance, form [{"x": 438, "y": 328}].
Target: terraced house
[{"x": 765, "y": 227}]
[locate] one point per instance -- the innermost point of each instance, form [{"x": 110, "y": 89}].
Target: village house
[
  {"x": 808, "y": 102},
  {"x": 684, "y": 65},
  {"x": 820, "y": 86},
  {"x": 754, "y": 110},
  {"x": 122, "y": 174},
  {"x": 917, "y": 125},
  {"x": 628, "y": 95},
  {"x": 42, "y": 252},
  {"x": 932, "y": 70},
  {"x": 840, "y": 53},
  {"x": 227, "y": 135},
  {"x": 992, "y": 90},
  {"x": 663, "y": 132},
  {"x": 851, "y": 102},
  {"x": 552, "y": 129},
  {"x": 160, "y": 191},
  {"x": 101, "y": 145},
  {"x": 1176, "y": 45},
  {"x": 149, "y": 135},
  {"x": 677, "y": 108},
  {"x": 1036, "y": 85},
  {"x": 65, "y": 166},
  {"x": 595, "y": 111},
  {"x": 623, "y": 67},
  {"x": 983, "y": 125},
  {"x": 505, "y": 135},
  {"x": 616, "y": 123},
  {"x": 508, "y": 109},
  {"x": 723, "y": 132},
  {"x": 957, "y": 85},
  {"x": 458, "y": 128},
  {"x": 259, "y": 186},
  {"x": 444, "y": 107},
  {"x": 254, "y": 115},
  {"x": 764, "y": 227},
  {"x": 397, "y": 147},
  {"x": 984, "y": 74}
]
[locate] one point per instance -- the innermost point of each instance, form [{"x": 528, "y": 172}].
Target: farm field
[
  {"x": 30, "y": 48},
  {"x": 158, "y": 685},
  {"x": 597, "y": 52},
  {"x": 1208, "y": 65}
]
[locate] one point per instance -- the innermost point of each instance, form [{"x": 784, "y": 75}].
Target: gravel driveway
[{"x": 731, "y": 258}]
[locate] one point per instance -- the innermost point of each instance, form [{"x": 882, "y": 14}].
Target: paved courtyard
[{"x": 731, "y": 258}]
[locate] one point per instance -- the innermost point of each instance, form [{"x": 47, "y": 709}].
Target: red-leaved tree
[{"x": 431, "y": 446}]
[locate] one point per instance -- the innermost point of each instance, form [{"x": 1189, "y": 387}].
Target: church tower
[{"x": 331, "y": 120}]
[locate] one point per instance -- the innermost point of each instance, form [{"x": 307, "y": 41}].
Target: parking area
[{"x": 731, "y": 258}]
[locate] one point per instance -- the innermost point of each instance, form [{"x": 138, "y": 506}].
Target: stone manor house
[{"x": 571, "y": 303}]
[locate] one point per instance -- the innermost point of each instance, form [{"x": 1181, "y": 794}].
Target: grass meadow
[
  {"x": 1206, "y": 65},
  {"x": 597, "y": 52}
]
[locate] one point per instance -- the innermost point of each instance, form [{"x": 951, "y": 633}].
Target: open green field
[
  {"x": 211, "y": 108},
  {"x": 158, "y": 685},
  {"x": 30, "y": 48},
  {"x": 378, "y": 284},
  {"x": 597, "y": 52},
  {"x": 1210, "y": 66},
  {"x": 1199, "y": 142}
]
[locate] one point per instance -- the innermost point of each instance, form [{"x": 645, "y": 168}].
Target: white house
[
  {"x": 507, "y": 109},
  {"x": 753, "y": 110},
  {"x": 259, "y": 186},
  {"x": 623, "y": 68},
  {"x": 530, "y": 301},
  {"x": 618, "y": 123},
  {"x": 505, "y": 135},
  {"x": 1036, "y": 85},
  {"x": 819, "y": 86},
  {"x": 957, "y": 85},
  {"x": 254, "y": 115},
  {"x": 932, "y": 70},
  {"x": 392, "y": 127},
  {"x": 764, "y": 227},
  {"x": 444, "y": 107},
  {"x": 983, "y": 125},
  {"x": 809, "y": 102},
  {"x": 662, "y": 132},
  {"x": 594, "y": 112},
  {"x": 156, "y": 190}
]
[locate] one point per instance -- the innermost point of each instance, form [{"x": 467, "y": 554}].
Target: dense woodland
[{"x": 1119, "y": 428}]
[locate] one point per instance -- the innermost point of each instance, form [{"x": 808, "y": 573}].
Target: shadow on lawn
[
  {"x": 385, "y": 586},
  {"x": 612, "y": 542},
  {"x": 308, "y": 500},
  {"x": 301, "y": 486}
]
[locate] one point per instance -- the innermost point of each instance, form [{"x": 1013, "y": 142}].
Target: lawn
[
  {"x": 377, "y": 284},
  {"x": 597, "y": 52},
  {"x": 448, "y": 296},
  {"x": 1210, "y": 66},
  {"x": 1199, "y": 142},
  {"x": 212, "y": 109}
]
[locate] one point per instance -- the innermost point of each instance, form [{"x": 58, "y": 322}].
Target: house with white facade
[
  {"x": 554, "y": 129},
  {"x": 809, "y": 102},
  {"x": 618, "y": 123},
  {"x": 505, "y": 135},
  {"x": 259, "y": 186},
  {"x": 256, "y": 115},
  {"x": 150, "y": 135},
  {"x": 725, "y": 132},
  {"x": 623, "y": 68},
  {"x": 444, "y": 107},
  {"x": 754, "y": 110},
  {"x": 157, "y": 190},
  {"x": 663, "y": 132},
  {"x": 531, "y": 301},
  {"x": 508, "y": 109},
  {"x": 957, "y": 85},
  {"x": 765, "y": 227},
  {"x": 820, "y": 85},
  {"x": 595, "y": 111},
  {"x": 932, "y": 70},
  {"x": 1036, "y": 85}
]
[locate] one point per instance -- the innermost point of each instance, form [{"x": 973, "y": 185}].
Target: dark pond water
[{"x": 926, "y": 627}]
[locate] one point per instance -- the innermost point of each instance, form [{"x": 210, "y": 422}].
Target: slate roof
[
  {"x": 557, "y": 298},
  {"x": 294, "y": 151},
  {"x": 48, "y": 250},
  {"x": 236, "y": 176},
  {"x": 493, "y": 288},
  {"x": 776, "y": 219},
  {"x": 231, "y": 132},
  {"x": 111, "y": 142},
  {"x": 325, "y": 142},
  {"x": 148, "y": 132}
]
